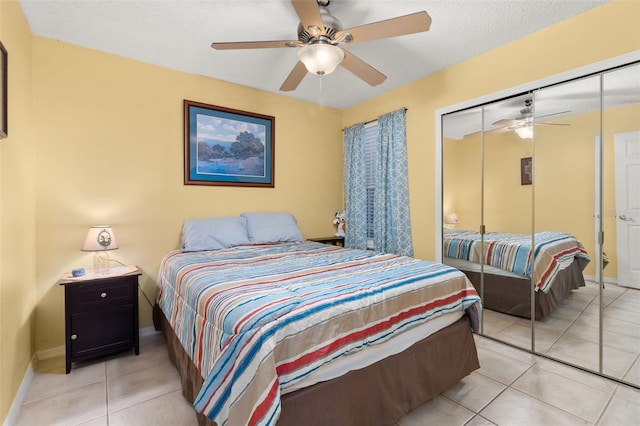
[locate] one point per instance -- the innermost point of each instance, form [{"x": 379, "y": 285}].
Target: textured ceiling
[{"x": 178, "y": 33}]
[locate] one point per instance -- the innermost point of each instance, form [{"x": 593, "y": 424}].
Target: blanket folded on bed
[
  {"x": 256, "y": 319},
  {"x": 553, "y": 251}
]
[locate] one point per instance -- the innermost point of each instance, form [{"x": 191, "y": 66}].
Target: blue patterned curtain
[
  {"x": 391, "y": 222},
  {"x": 355, "y": 187}
]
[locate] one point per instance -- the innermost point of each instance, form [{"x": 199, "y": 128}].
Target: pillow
[
  {"x": 214, "y": 233},
  {"x": 272, "y": 227}
]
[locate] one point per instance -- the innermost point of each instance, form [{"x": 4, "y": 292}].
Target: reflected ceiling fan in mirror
[
  {"x": 320, "y": 35},
  {"x": 522, "y": 124}
]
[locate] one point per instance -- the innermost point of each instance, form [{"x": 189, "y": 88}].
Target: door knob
[{"x": 625, "y": 218}]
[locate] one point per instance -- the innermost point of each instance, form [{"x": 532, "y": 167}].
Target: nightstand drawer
[{"x": 92, "y": 296}]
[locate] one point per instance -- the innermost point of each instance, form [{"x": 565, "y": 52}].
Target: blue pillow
[
  {"x": 272, "y": 227},
  {"x": 214, "y": 233}
]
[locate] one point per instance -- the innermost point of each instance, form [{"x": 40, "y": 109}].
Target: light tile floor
[
  {"x": 512, "y": 387},
  {"x": 571, "y": 332}
]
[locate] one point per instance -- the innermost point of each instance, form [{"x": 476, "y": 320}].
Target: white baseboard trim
[
  {"x": 14, "y": 410},
  {"x": 606, "y": 279},
  {"x": 148, "y": 331},
  {"x": 56, "y": 352}
]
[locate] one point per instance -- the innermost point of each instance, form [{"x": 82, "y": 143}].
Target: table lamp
[{"x": 99, "y": 240}]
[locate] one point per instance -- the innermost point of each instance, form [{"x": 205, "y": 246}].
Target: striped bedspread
[
  {"x": 257, "y": 319},
  {"x": 553, "y": 252}
]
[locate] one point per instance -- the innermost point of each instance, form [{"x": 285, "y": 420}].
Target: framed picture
[
  {"x": 4, "y": 131},
  {"x": 526, "y": 173},
  {"x": 227, "y": 147}
]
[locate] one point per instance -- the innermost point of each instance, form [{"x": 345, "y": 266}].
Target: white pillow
[
  {"x": 214, "y": 233},
  {"x": 272, "y": 227}
]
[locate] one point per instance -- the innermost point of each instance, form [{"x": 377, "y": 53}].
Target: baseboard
[
  {"x": 147, "y": 331},
  {"x": 14, "y": 410},
  {"x": 58, "y": 351},
  {"x": 607, "y": 280}
]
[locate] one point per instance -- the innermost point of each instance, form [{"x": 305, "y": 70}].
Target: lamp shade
[
  {"x": 320, "y": 58},
  {"x": 100, "y": 238}
]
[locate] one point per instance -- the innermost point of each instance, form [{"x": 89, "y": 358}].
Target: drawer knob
[
  {"x": 103, "y": 295},
  {"x": 74, "y": 336}
]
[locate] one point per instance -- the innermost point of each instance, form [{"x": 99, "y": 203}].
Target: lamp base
[{"x": 101, "y": 262}]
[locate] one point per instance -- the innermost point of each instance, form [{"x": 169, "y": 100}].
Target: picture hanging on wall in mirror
[
  {"x": 3, "y": 92},
  {"x": 227, "y": 147},
  {"x": 525, "y": 171}
]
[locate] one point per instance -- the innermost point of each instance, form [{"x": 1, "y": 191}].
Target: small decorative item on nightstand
[
  {"x": 101, "y": 314},
  {"x": 340, "y": 221}
]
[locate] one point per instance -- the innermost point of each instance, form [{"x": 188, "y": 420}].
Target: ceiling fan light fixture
[
  {"x": 525, "y": 132},
  {"x": 320, "y": 58}
]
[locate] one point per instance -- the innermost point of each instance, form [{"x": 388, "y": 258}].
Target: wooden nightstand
[
  {"x": 336, "y": 241},
  {"x": 101, "y": 315}
]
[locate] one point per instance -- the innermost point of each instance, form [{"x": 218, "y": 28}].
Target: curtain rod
[{"x": 375, "y": 119}]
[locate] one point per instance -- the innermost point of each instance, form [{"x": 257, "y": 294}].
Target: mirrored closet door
[{"x": 541, "y": 210}]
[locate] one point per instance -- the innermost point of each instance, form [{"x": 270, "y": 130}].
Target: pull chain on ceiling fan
[{"x": 320, "y": 34}]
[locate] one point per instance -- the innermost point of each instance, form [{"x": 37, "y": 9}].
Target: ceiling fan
[
  {"x": 320, "y": 34},
  {"x": 523, "y": 123}
]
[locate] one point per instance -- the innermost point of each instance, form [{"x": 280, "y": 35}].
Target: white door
[{"x": 627, "y": 165}]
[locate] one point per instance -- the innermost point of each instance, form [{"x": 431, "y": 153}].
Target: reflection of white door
[{"x": 627, "y": 157}]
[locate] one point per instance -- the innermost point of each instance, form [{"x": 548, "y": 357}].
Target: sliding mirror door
[
  {"x": 487, "y": 198},
  {"x": 507, "y": 219},
  {"x": 567, "y": 221},
  {"x": 462, "y": 188},
  {"x": 621, "y": 224}
]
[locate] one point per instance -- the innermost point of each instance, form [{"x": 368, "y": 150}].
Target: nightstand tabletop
[{"x": 118, "y": 272}]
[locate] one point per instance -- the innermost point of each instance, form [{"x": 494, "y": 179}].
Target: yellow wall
[
  {"x": 109, "y": 141},
  {"x": 601, "y": 33},
  {"x": 17, "y": 210}
]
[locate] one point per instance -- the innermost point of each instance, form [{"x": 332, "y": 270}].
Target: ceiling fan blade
[
  {"x": 538, "y": 117},
  {"x": 553, "y": 124},
  {"x": 402, "y": 25},
  {"x": 309, "y": 15},
  {"x": 253, "y": 44},
  {"x": 362, "y": 70},
  {"x": 494, "y": 131},
  {"x": 506, "y": 122},
  {"x": 295, "y": 77}
]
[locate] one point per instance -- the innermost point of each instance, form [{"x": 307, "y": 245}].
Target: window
[{"x": 370, "y": 136}]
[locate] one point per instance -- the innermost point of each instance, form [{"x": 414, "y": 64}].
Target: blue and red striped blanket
[
  {"x": 255, "y": 320},
  {"x": 553, "y": 251}
]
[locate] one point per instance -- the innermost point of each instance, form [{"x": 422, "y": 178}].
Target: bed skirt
[
  {"x": 379, "y": 394},
  {"x": 512, "y": 295}
]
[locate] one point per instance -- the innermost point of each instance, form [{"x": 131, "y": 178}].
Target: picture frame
[
  {"x": 526, "y": 171},
  {"x": 4, "y": 123},
  {"x": 227, "y": 147}
]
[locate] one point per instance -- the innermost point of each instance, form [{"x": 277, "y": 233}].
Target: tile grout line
[
  {"x": 499, "y": 393},
  {"x": 106, "y": 391},
  {"x": 606, "y": 406}
]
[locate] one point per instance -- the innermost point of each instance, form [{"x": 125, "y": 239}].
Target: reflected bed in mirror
[{"x": 506, "y": 260}]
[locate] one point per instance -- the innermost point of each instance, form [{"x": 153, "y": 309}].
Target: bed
[
  {"x": 299, "y": 332},
  {"x": 509, "y": 268}
]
